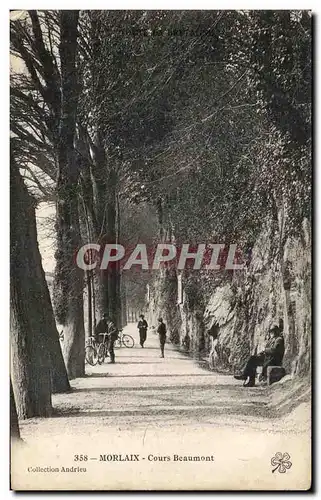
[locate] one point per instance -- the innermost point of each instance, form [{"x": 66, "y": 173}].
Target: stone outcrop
[{"x": 275, "y": 287}]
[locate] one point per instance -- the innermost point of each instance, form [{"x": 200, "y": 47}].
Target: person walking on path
[
  {"x": 161, "y": 330},
  {"x": 213, "y": 334},
  {"x": 142, "y": 327}
]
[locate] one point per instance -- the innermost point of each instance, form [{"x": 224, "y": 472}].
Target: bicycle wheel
[
  {"x": 101, "y": 353},
  {"x": 128, "y": 341},
  {"x": 91, "y": 355}
]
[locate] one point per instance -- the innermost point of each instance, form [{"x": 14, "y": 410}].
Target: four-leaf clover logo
[{"x": 281, "y": 461}]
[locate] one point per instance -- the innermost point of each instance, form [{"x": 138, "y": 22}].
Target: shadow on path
[
  {"x": 148, "y": 375},
  {"x": 215, "y": 389},
  {"x": 224, "y": 408}
]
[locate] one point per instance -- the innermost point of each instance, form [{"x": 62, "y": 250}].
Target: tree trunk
[
  {"x": 123, "y": 298},
  {"x": 30, "y": 311},
  {"x": 68, "y": 277},
  {"x": 111, "y": 237},
  {"x": 14, "y": 424},
  {"x": 90, "y": 303},
  {"x": 104, "y": 179},
  {"x": 99, "y": 177},
  {"x": 119, "y": 309},
  {"x": 59, "y": 377},
  {"x": 104, "y": 183}
]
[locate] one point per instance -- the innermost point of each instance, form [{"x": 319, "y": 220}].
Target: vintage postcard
[{"x": 160, "y": 253}]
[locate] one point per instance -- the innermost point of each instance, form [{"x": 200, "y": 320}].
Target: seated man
[{"x": 272, "y": 355}]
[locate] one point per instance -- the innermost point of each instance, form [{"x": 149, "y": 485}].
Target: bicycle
[
  {"x": 102, "y": 351},
  {"x": 91, "y": 353},
  {"x": 96, "y": 353},
  {"x": 125, "y": 340}
]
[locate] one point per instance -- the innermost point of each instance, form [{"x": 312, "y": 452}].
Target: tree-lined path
[
  {"x": 143, "y": 389},
  {"x": 135, "y": 128},
  {"x": 158, "y": 408}
]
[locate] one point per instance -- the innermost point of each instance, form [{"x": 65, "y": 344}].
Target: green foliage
[
  {"x": 204, "y": 113},
  {"x": 208, "y": 109}
]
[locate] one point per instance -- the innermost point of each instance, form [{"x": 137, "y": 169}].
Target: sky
[{"x": 45, "y": 214}]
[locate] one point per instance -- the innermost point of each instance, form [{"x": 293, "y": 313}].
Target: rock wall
[{"x": 275, "y": 287}]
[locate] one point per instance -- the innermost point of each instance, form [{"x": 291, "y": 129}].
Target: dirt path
[
  {"x": 141, "y": 388},
  {"x": 145, "y": 404}
]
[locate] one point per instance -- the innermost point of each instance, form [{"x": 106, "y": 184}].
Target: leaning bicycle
[
  {"x": 102, "y": 351},
  {"x": 91, "y": 351},
  {"x": 125, "y": 340}
]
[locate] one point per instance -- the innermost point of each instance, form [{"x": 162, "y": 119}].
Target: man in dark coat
[
  {"x": 101, "y": 328},
  {"x": 142, "y": 327},
  {"x": 106, "y": 326},
  {"x": 213, "y": 334},
  {"x": 271, "y": 356},
  {"x": 161, "y": 330}
]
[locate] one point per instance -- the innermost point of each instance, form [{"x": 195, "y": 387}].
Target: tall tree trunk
[
  {"x": 119, "y": 305},
  {"x": 90, "y": 303},
  {"x": 112, "y": 237},
  {"x": 104, "y": 221},
  {"x": 59, "y": 377},
  {"x": 14, "y": 424},
  {"x": 30, "y": 360},
  {"x": 99, "y": 177},
  {"x": 123, "y": 298},
  {"x": 68, "y": 277},
  {"x": 103, "y": 184}
]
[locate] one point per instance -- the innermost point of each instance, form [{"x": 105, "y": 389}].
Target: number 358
[{"x": 80, "y": 458}]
